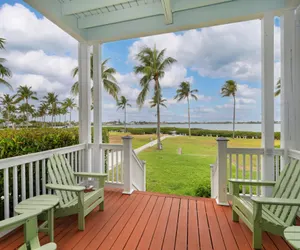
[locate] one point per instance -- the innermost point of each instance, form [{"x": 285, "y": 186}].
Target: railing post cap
[
  {"x": 127, "y": 137},
  {"x": 222, "y": 139}
]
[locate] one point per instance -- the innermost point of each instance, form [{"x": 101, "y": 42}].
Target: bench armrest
[
  {"x": 65, "y": 187},
  {"x": 276, "y": 201},
  {"x": 92, "y": 175},
  {"x": 252, "y": 182},
  {"x": 18, "y": 220}
]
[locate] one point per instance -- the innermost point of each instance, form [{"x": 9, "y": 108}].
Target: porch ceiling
[{"x": 109, "y": 20}]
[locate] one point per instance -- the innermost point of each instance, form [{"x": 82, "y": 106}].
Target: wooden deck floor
[{"x": 153, "y": 221}]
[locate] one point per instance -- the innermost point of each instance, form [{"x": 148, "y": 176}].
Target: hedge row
[
  {"x": 194, "y": 132},
  {"x": 26, "y": 141}
]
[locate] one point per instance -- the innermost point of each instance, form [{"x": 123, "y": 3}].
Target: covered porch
[{"x": 144, "y": 220}]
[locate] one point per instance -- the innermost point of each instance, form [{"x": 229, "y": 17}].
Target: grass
[
  {"x": 169, "y": 172},
  {"x": 138, "y": 140}
]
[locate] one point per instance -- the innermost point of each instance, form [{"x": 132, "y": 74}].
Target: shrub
[{"x": 203, "y": 190}]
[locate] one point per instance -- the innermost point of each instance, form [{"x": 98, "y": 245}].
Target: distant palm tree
[
  {"x": 42, "y": 111},
  {"x": 69, "y": 104},
  {"x": 229, "y": 89},
  {"x": 153, "y": 64},
  {"x": 122, "y": 104},
  {"x": 109, "y": 81},
  {"x": 8, "y": 104},
  {"x": 51, "y": 99},
  {"x": 4, "y": 71},
  {"x": 154, "y": 100},
  {"x": 185, "y": 92},
  {"x": 25, "y": 93},
  {"x": 278, "y": 87}
]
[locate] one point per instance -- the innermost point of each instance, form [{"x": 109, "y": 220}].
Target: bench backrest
[
  {"x": 60, "y": 172},
  {"x": 287, "y": 186}
]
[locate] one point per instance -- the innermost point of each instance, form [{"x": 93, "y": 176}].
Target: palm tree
[
  {"x": 229, "y": 89},
  {"x": 25, "y": 93},
  {"x": 4, "y": 71},
  {"x": 52, "y": 101},
  {"x": 122, "y": 104},
  {"x": 278, "y": 87},
  {"x": 185, "y": 92},
  {"x": 109, "y": 81},
  {"x": 153, "y": 64},
  {"x": 42, "y": 111},
  {"x": 69, "y": 104},
  {"x": 154, "y": 99},
  {"x": 8, "y": 104}
]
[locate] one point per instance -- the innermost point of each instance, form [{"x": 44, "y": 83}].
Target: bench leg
[
  {"x": 257, "y": 238},
  {"x": 51, "y": 224},
  {"x": 101, "y": 206},
  {"x": 81, "y": 220},
  {"x": 235, "y": 216}
]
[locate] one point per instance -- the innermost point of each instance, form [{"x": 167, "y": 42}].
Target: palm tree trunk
[
  {"x": 70, "y": 117},
  {"x": 233, "y": 122},
  {"x": 125, "y": 128},
  {"x": 189, "y": 116},
  {"x": 159, "y": 145},
  {"x": 27, "y": 114}
]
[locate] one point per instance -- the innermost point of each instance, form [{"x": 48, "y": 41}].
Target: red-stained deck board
[
  {"x": 204, "y": 231},
  {"x": 193, "y": 233},
  {"x": 228, "y": 237},
  {"x": 161, "y": 226},
  {"x": 182, "y": 228},
  {"x": 146, "y": 220},
  {"x": 170, "y": 236},
  {"x": 144, "y": 237},
  {"x": 215, "y": 232},
  {"x": 140, "y": 217}
]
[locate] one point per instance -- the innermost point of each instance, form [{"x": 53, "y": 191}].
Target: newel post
[
  {"x": 221, "y": 185},
  {"x": 127, "y": 164}
]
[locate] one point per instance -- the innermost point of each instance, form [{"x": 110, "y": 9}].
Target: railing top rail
[
  {"x": 111, "y": 146},
  {"x": 23, "y": 159},
  {"x": 295, "y": 154},
  {"x": 245, "y": 150}
]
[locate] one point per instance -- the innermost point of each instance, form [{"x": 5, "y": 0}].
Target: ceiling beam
[
  {"x": 121, "y": 16},
  {"x": 178, "y": 5},
  {"x": 228, "y": 12},
  {"x": 77, "y": 6},
  {"x": 166, "y": 5}
]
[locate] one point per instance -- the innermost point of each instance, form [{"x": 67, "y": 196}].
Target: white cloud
[
  {"x": 231, "y": 50},
  {"x": 24, "y": 31}
]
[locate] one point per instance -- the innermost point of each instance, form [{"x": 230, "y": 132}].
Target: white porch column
[
  {"x": 97, "y": 92},
  {"x": 297, "y": 79},
  {"x": 267, "y": 58},
  {"x": 127, "y": 164},
  {"x": 84, "y": 101},
  {"x": 287, "y": 22}
]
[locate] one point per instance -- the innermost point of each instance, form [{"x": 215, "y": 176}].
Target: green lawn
[
  {"x": 168, "y": 172},
  {"x": 138, "y": 140}
]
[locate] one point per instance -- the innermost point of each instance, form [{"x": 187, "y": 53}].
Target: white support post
[
  {"x": 97, "y": 92},
  {"x": 221, "y": 192},
  {"x": 297, "y": 78},
  {"x": 84, "y": 101},
  {"x": 287, "y": 22},
  {"x": 127, "y": 164},
  {"x": 267, "y": 46}
]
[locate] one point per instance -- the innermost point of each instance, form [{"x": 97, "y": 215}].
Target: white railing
[
  {"x": 113, "y": 155},
  {"x": 139, "y": 173},
  {"x": 244, "y": 163},
  {"x": 26, "y": 176}
]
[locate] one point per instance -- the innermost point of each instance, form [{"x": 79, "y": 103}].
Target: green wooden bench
[
  {"x": 73, "y": 199},
  {"x": 272, "y": 214},
  {"x": 292, "y": 236},
  {"x": 29, "y": 220}
]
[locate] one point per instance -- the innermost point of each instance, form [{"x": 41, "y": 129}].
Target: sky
[{"x": 42, "y": 55}]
